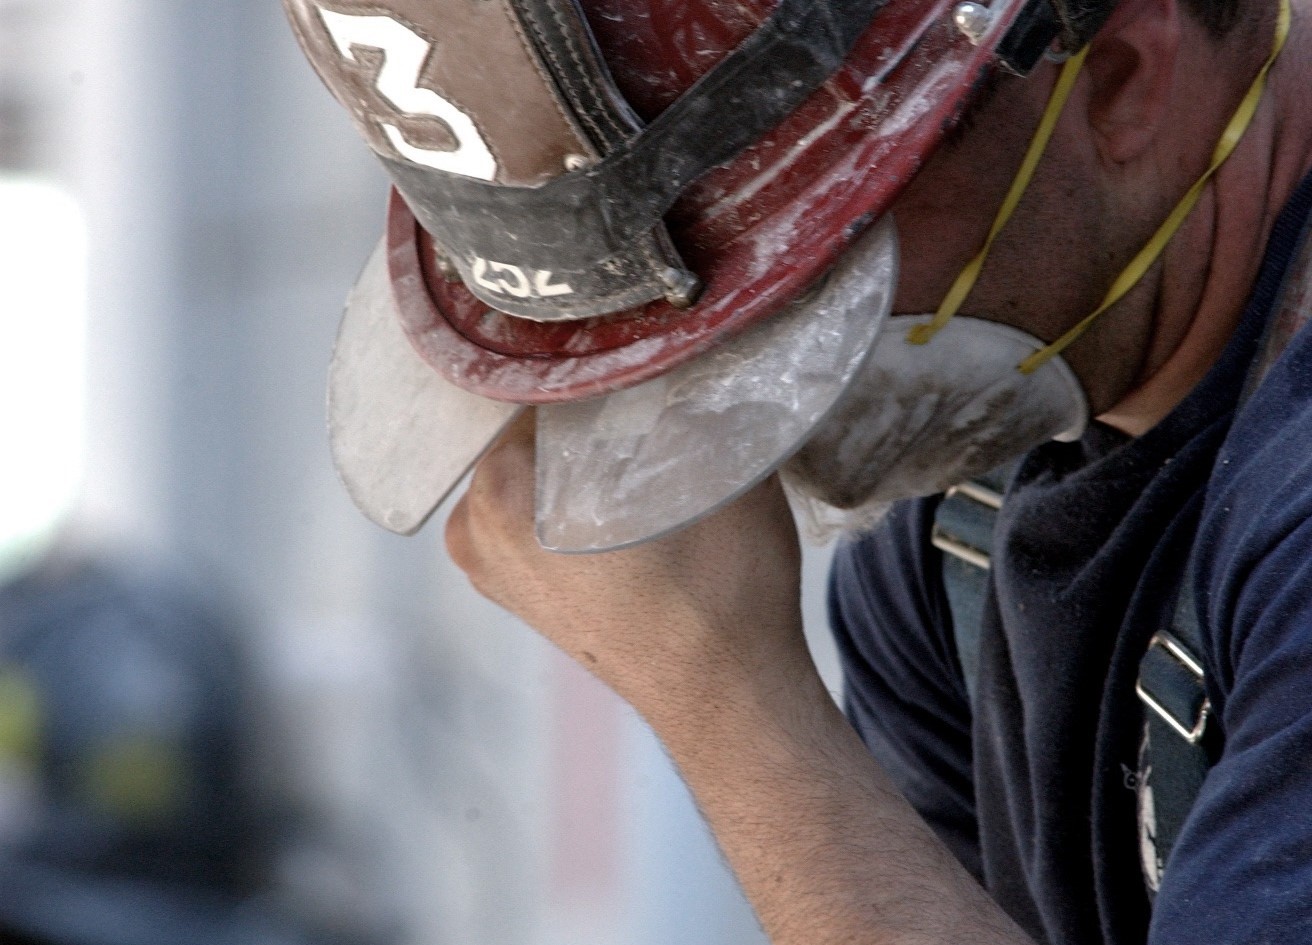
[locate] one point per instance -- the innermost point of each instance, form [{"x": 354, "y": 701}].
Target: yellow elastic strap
[
  {"x": 1148, "y": 255},
  {"x": 921, "y": 334}
]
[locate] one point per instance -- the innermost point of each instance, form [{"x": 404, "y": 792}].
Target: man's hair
[
  {"x": 1082, "y": 18},
  {"x": 1217, "y": 15}
]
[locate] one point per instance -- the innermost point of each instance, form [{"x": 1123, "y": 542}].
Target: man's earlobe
[{"x": 1131, "y": 67}]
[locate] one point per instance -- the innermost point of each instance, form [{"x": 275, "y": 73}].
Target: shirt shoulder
[{"x": 1247, "y": 838}]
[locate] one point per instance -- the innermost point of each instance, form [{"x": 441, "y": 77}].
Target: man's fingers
[
  {"x": 503, "y": 485},
  {"x": 523, "y": 430},
  {"x": 499, "y": 502},
  {"x": 459, "y": 540}
]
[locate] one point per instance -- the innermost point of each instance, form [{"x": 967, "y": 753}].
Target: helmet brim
[
  {"x": 402, "y": 435},
  {"x": 617, "y": 469}
]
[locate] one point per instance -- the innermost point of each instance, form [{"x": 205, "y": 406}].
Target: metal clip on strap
[
  {"x": 1180, "y": 745},
  {"x": 1171, "y": 685},
  {"x": 963, "y": 531},
  {"x": 963, "y": 526}
]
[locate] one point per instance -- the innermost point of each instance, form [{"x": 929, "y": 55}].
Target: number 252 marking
[
  {"x": 404, "y": 53},
  {"x": 506, "y": 279}
]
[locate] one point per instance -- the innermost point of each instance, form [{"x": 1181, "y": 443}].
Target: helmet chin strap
[{"x": 1139, "y": 265}]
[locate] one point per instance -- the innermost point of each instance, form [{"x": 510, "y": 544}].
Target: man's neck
[{"x": 1208, "y": 271}]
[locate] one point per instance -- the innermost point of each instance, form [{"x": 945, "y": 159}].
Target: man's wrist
[{"x": 769, "y": 707}]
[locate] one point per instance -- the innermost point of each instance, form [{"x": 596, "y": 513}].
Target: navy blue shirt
[{"x": 1035, "y": 790}]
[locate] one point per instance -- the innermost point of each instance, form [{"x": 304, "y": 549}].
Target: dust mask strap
[
  {"x": 921, "y": 334},
  {"x": 1138, "y": 266}
]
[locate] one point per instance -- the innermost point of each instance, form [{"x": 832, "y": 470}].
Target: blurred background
[{"x": 231, "y": 710}]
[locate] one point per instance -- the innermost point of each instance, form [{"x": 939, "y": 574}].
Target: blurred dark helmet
[{"x": 125, "y": 813}]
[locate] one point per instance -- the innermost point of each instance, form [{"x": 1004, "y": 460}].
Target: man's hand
[
  {"x": 701, "y": 631},
  {"x": 654, "y": 621}
]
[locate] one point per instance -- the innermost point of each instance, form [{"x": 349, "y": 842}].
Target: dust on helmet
[{"x": 662, "y": 222}]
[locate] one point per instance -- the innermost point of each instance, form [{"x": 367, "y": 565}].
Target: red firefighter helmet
[{"x": 589, "y": 196}]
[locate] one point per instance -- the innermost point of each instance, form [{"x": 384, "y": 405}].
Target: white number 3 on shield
[{"x": 405, "y": 52}]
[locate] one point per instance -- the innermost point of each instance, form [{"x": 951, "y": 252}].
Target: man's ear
[{"x": 1131, "y": 67}]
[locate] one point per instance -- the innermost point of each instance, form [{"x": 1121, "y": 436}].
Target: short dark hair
[
  {"x": 1217, "y": 15},
  {"x": 1082, "y": 18}
]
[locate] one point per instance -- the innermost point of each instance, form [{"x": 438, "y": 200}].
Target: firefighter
[{"x": 881, "y": 248}]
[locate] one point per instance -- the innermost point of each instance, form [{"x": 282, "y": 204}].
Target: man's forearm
[
  {"x": 823, "y": 844},
  {"x": 701, "y": 633}
]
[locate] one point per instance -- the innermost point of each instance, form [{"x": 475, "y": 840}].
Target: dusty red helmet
[
  {"x": 591, "y": 194},
  {"x": 621, "y": 183}
]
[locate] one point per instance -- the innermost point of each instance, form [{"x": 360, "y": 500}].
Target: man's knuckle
[{"x": 459, "y": 538}]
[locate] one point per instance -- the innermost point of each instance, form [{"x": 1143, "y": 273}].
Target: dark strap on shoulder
[
  {"x": 963, "y": 531},
  {"x": 1181, "y": 741}
]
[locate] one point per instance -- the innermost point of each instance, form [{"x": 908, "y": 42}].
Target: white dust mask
[{"x": 920, "y": 418}]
